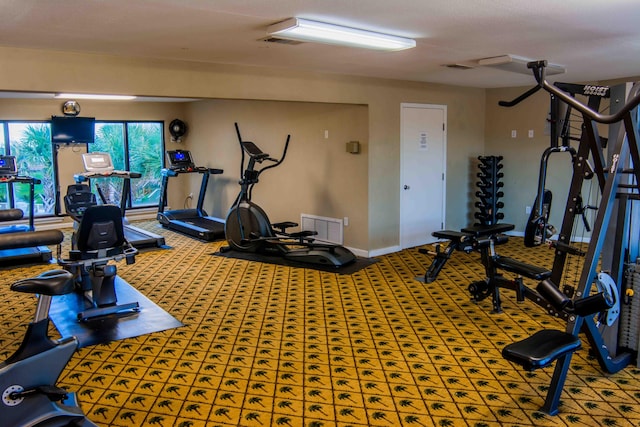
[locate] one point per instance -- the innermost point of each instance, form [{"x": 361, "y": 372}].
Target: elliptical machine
[
  {"x": 28, "y": 377},
  {"x": 248, "y": 229}
]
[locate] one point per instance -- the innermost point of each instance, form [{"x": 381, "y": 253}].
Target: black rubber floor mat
[
  {"x": 150, "y": 318},
  {"x": 354, "y": 267}
]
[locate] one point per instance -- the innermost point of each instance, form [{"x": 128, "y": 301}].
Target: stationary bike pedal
[{"x": 53, "y": 393}]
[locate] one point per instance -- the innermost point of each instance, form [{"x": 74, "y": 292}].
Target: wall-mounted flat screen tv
[{"x": 68, "y": 130}]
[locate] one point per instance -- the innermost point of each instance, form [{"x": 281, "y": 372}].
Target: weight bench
[
  {"x": 548, "y": 345},
  {"x": 484, "y": 238},
  {"x": 467, "y": 240},
  {"x": 494, "y": 262},
  {"x": 457, "y": 241},
  {"x": 520, "y": 269}
]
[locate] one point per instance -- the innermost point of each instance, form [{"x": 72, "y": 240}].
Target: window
[
  {"x": 30, "y": 143},
  {"x": 135, "y": 146}
]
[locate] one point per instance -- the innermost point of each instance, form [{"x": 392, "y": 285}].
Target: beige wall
[
  {"x": 522, "y": 154},
  {"x": 318, "y": 176},
  {"x": 23, "y": 69}
]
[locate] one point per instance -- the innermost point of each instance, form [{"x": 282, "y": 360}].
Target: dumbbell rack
[{"x": 489, "y": 193}]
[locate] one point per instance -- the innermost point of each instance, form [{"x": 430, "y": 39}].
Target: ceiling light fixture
[
  {"x": 95, "y": 96},
  {"x": 518, "y": 64},
  {"x": 322, "y": 32}
]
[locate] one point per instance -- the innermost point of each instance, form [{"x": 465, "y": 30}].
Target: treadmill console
[
  {"x": 8, "y": 167},
  {"x": 180, "y": 160},
  {"x": 97, "y": 162}
]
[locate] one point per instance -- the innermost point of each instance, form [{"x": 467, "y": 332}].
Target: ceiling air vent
[{"x": 280, "y": 41}]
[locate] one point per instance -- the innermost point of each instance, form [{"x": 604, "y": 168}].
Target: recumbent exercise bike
[
  {"x": 97, "y": 239},
  {"x": 29, "y": 396},
  {"x": 248, "y": 229}
]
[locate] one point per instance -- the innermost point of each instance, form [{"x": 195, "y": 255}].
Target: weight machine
[
  {"x": 611, "y": 244},
  {"x": 610, "y": 262}
]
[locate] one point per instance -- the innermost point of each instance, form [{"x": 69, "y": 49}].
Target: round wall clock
[{"x": 71, "y": 108}]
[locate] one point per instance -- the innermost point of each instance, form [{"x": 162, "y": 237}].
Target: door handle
[{"x": 406, "y": 187}]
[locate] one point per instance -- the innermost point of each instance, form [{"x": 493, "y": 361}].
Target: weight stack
[
  {"x": 629, "y": 332},
  {"x": 489, "y": 193}
]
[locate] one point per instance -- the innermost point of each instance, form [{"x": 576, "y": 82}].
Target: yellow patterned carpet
[{"x": 266, "y": 345}]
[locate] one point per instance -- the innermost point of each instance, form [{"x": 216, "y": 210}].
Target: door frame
[{"x": 443, "y": 108}]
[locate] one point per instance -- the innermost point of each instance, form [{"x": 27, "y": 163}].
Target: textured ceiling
[{"x": 594, "y": 40}]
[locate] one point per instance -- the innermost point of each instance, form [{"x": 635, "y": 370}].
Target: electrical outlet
[
  {"x": 527, "y": 210},
  {"x": 345, "y": 221},
  {"x": 190, "y": 195}
]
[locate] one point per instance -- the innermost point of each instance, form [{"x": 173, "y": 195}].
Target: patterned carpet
[{"x": 267, "y": 345}]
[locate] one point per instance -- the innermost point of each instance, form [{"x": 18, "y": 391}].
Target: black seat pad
[
  {"x": 488, "y": 230},
  {"x": 541, "y": 348},
  {"x": 455, "y": 236}
]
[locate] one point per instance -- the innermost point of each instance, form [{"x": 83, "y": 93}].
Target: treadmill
[
  {"x": 9, "y": 175},
  {"x": 191, "y": 222},
  {"x": 99, "y": 165}
]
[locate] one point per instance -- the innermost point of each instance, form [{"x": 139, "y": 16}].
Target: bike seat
[
  {"x": 541, "y": 349},
  {"x": 53, "y": 282}
]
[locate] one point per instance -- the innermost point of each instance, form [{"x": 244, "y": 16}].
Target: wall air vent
[{"x": 280, "y": 41}]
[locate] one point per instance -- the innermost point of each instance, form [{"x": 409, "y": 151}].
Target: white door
[{"x": 422, "y": 172}]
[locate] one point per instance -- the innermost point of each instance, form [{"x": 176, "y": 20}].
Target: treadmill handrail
[
  {"x": 85, "y": 176},
  {"x": 200, "y": 169}
]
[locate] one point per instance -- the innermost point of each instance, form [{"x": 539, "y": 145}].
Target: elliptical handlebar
[
  {"x": 257, "y": 155},
  {"x": 277, "y": 162},
  {"x": 538, "y": 69}
]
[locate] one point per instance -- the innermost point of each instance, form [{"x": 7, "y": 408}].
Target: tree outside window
[
  {"x": 30, "y": 143},
  {"x": 135, "y": 146}
]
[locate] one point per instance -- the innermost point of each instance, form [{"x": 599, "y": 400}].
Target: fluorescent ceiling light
[
  {"x": 518, "y": 64},
  {"x": 95, "y": 96},
  {"x": 321, "y": 32}
]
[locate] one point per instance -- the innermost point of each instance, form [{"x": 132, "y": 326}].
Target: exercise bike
[
  {"x": 248, "y": 229},
  {"x": 27, "y": 378},
  {"x": 98, "y": 238}
]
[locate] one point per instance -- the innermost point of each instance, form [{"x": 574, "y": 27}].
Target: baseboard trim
[{"x": 384, "y": 251}]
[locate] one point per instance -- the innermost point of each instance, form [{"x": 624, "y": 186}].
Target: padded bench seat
[
  {"x": 455, "y": 236},
  {"x": 541, "y": 348},
  {"x": 521, "y": 268},
  {"x": 488, "y": 230}
]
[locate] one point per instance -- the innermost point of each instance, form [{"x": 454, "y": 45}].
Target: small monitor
[
  {"x": 180, "y": 159},
  {"x": 8, "y": 166},
  {"x": 97, "y": 162},
  {"x": 68, "y": 130}
]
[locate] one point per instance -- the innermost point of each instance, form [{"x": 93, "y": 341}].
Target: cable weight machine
[{"x": 612, "y": 242}]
